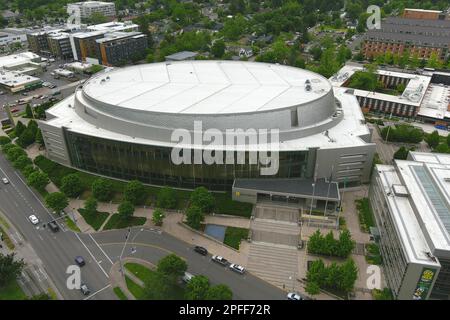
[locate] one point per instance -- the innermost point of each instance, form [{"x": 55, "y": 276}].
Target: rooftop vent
[
  {"x": 308, "y": 85},
  {"x": 400, "y": 190}
]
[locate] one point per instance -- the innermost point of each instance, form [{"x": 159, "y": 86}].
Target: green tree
[
  {"x": 28, "y": 170},
  {"x": 158, "y": 217},
  {"x": 345, "y": 244},
  {"x": 38, "y": 138},
  {"x": 442, "y": 148},
  {"x": 401, "y": 154},
  {"x": 434, "y": 61},
  {"x": 20, "y": 128},
  {"x": 57, "y": 201},
  {"x": 349, "y": 274},
  {"x": 157, "y": 288},
  {"x": 197, "y": 288},
  {"x": 433, "y": 139},
  {"x": 219, "y": 292},
  {"x": 364, "y": 80},
  {"x": 38, "y": 180},
  {"x": 14, "y": 152},
  {"x": 203, "y": 199},
  {"x": 194, "y": 217},
  {"x": 72, "y": 185},
  {"x": 90, "y": 205},
  {"x": 166, "y": 198},
  {"x": 10, "y": 269},
  {"x": 27, "y": 137},
  {"x": 126, "y": 209},
  {"x": 172, "y": 266},
  {"x": 28, "y": 111},
  {"x": 134, "y": 192},
  {"x": 315, "y": 242},
  {"x": 218, "y": 48},
  {"x": 97, "y": 18},
  {"x": 102, "y": 189},
  {"x": 329, "y": 244},
  {"x": 21, "y": 162}
]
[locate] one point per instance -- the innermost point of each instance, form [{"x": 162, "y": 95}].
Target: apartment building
[
  {"x": 422, "y": 37},
  {"x": 87, "y": 8},
  {"x": 121, "y": 47}
]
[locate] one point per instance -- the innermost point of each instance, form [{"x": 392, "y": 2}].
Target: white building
[
  {"x": 87, "y": 8},
  {"x": 120, "y": 124},
  {"x": 13, "y": 35},
  {"x": 411, "y": 204}
]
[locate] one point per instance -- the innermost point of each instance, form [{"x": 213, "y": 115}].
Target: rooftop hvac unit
[{"x": 400, "y": 190}]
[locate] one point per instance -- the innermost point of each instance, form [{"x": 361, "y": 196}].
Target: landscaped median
[{"x": 163, "y": 282}]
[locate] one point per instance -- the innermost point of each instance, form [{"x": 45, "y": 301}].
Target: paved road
[
  {"x": 56, "y": 250},
  {"x": 102, "y": 250},
  {"x": 151, "y": 245}
]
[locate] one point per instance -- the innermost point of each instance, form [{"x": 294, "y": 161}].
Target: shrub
[
  {"x": 4, "y": 140},
  {"x": 158, "y": 217}
]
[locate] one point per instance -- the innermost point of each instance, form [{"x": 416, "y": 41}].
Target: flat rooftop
[
  {"x": 413, "y": 94},
  {"x": 346, "y": 133},
  {"x": 14, "y": 79},
  {"x": 408, "y": 228},
  {"x": 206, "y": 87},
  {"x": 16, "y": 59},
  {"x": 436, "y": 102},
  {"x": 428, "y": 185}
]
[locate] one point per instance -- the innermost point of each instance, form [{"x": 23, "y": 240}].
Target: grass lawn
[
  {"x": 12, "y": 291},
  {"x": 233, "y": 236},
  {"x": 71, "y": 225},
  {"x": 119, "y": 293},
  {"x": 95, "y": 220},
  {"x": 365, "y": 214},
  {"x": 225, "y": 205},
  {"x": 7, "y": 239},
  {"x": 116, "y": 222},
  {"x": 144, "y": 274},
  {"x": 136, "y": 290}
]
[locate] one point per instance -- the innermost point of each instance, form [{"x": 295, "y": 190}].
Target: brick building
[{"x": 423, "y": 37}]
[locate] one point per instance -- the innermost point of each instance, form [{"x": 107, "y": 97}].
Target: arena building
[{"x": 121, "y": 124}]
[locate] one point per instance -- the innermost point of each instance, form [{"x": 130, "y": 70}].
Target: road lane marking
[
  {"x": 91, "y": 255},
  {"x": 138, "y": 244},
  {"x": 87, "y": 298},
  {"x": 101, "y": 249}
]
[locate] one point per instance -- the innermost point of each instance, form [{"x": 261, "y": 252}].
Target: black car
[
  {"x": 80, "y": 261},
  {"x": 201, "y": 250},
  {"x": 53, "y": 226}
]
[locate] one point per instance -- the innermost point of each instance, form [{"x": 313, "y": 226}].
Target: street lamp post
[
  {"x": 127, "y": 236},
  {"x": 312, "y": 200}
]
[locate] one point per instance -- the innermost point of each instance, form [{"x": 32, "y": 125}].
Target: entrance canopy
[{"x": 296, "y": 188}]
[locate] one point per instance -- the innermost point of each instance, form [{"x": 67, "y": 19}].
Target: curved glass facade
[{"x": 152, "y": 164}]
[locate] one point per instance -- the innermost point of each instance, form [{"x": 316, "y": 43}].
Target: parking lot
[{"x": 34, "y": 97}]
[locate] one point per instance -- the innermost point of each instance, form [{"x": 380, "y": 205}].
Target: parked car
[
  {"x": 220, "y": 260},
  {"x": 34, "y": 220},
  {"x": 294, "y": 296},
  {"x": 187, "y": 277},
  {"x": 80, "y": 261},
  {"x": 237, "y": 268},
  {"x": 5, "y": 181},
  {"x": 84, "y": 289},
  {"x": 201, "y": 250},
  {"x": 14, "y": 110}
]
